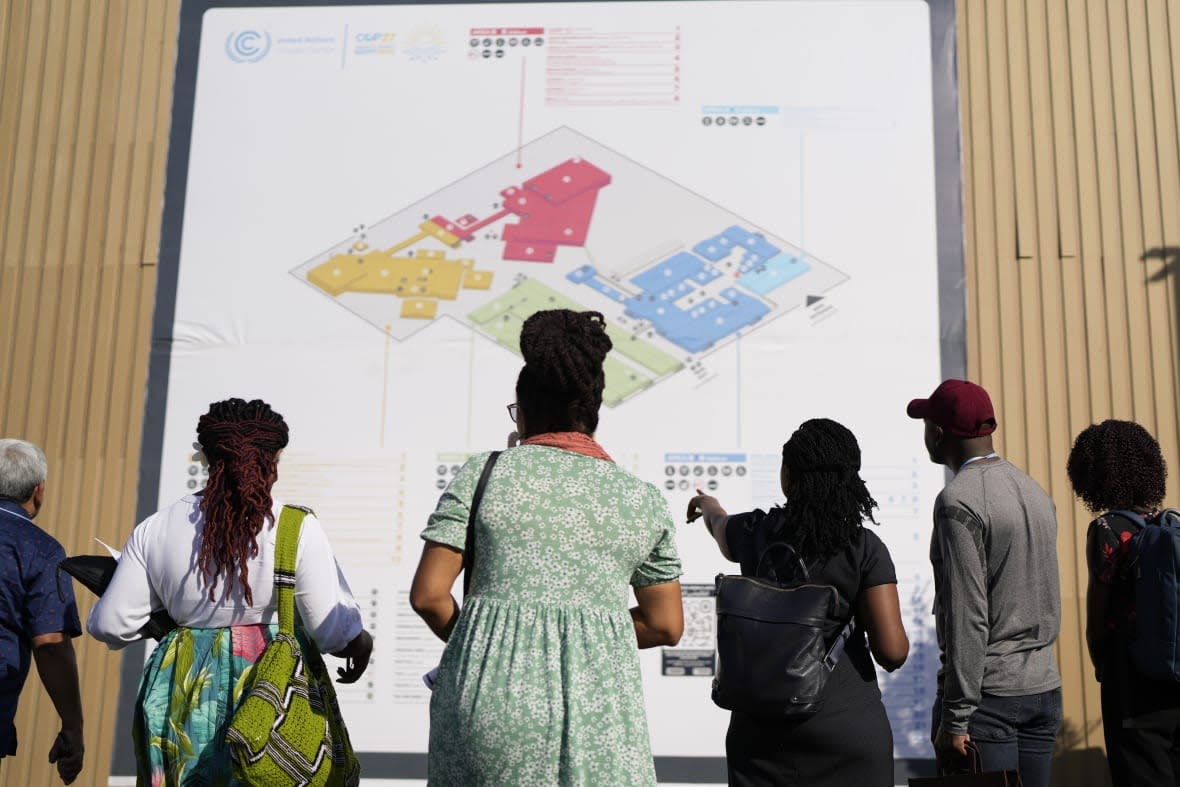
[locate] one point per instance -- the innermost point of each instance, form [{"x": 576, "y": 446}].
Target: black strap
[
  {"x": 792, "y": 556},
  {"x": 469, "y": 542}
]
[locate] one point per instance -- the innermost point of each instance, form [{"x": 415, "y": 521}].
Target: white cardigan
[{"x": 158, "y": 568}]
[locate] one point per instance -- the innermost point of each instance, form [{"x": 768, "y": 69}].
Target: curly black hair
[
  {"x": 827, "y": 500},
  {"x": 1117, "y": 464},
  {"x": 560, "y": 387}
]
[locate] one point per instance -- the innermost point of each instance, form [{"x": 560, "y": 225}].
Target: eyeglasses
[{"x": 512, "y": 408}]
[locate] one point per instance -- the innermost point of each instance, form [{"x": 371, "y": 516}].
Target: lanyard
[{"x": 992, "y": 455}]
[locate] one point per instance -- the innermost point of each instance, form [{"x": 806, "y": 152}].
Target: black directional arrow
[{"x": 814, "y": 299}]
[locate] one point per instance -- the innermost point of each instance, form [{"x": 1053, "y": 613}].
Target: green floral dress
[
  {"x": 539, "y": 683},
  {"x": 191, "y": 686}
]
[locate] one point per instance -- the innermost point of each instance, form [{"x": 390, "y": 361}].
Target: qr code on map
[{"x": 700, "y": 623}]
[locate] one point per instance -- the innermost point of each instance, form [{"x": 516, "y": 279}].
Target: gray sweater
[{"x": 997, "y": 601}]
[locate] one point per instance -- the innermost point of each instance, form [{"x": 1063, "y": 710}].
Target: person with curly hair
[
  {"x": 208, "y": 561},
  {"x": 539, "y": 682},
  {"x": 848, "y": 741},
  {"x": 997, "y": 600},
  {"x": 1116, "y": 467}
]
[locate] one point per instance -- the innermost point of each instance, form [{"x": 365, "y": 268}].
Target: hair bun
[
  {"x": 232, "y": 424},
  {"x": 565, "y": 349}
]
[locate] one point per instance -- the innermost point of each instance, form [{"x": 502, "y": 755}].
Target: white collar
[{"x": 992, "y": 455}]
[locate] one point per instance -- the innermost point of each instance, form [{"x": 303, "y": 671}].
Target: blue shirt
[{"x": 32, "y": 602}]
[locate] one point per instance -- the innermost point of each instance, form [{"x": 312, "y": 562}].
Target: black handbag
[
  {"x": 974, "y": 777},
  {"x": 775, "y": 643}
]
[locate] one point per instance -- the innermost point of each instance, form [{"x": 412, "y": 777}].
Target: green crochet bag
[{"x": 288, "y": 728}]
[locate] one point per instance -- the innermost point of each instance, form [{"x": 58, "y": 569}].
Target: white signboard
[{"x": 365, "y": 202}]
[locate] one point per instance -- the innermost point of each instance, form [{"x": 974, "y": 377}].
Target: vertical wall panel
[
  {"x": 86, "y": 88},
  {"x": 1065, "y": 54}
]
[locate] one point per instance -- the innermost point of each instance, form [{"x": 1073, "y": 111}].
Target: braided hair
[
  {"x": 241, "y": 441},
  {"x": 560, "y": 387},
  {"x": 827, "y": 501},
  {"x": 1117, "y": 464}
]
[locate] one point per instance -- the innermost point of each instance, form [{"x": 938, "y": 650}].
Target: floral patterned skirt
[{"x": 191, "y": 686}]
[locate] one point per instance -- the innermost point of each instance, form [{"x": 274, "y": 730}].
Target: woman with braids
[
  {"x": 1116, "y": 467},
  {"x": 848, "y": 741},
  {"x": 208, "y": 561},
  {"x": 539, "y": 682}
]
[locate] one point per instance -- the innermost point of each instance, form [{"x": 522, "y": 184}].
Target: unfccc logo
[{"x": 247, "y": 46}]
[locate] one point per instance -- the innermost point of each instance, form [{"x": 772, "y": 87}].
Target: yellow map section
[{"x": 427, "y": 276}]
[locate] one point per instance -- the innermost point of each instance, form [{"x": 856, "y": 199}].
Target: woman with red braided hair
[
  {"x": 208, "y": 561},
  {"x": 539, "y": 682}
]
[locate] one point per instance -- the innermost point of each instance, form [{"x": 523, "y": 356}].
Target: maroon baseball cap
[{"x": 961, "y": 408}]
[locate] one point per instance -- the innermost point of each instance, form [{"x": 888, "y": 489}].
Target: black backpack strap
[
  {"x": 1169, "y": 515},
  {"x": 1133, "y": 517},
  {"x": 792, "y": 557},
  {"x": 469, "y": 542},
  {"x": 833, "y": 655}
]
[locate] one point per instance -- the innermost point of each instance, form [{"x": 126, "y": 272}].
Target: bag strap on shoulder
[
  {"x": 469, "y": 541},
  {"x": 286, "y": 552},
  {"x": 1168, "y": 517},
  {"x": 1132, "y": 516}
]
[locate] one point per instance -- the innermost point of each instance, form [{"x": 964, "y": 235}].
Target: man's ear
[{"x": 39, "y": 495}]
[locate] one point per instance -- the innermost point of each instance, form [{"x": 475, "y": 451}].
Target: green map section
[{"x": 502, "y": 319}]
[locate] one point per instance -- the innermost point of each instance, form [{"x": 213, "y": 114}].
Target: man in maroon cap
[{"x": 997, "y": 601}]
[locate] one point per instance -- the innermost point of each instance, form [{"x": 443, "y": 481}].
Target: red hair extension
[{"x": 241, "y": 441}]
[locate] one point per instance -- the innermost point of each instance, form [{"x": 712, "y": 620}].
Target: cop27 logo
[{"x": 247, "y": 46}]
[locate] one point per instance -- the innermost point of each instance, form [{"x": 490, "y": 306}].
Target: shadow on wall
[
  {"x": 1171, "y": 267},
  {"x": 1075, "y": 766},
  {"x": 1170, "y": 256}
]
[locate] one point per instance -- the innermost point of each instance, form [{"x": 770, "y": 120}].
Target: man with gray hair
[{"x": 38, "y": 615}]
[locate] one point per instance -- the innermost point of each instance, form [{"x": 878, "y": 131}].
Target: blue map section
[
  {"x": 664, "y": 288},
  {"x": 586, "y": 274},
  {"x": 757, "y": 250},
  {"x": 780, "y": 270},
  {"x": 674, "y": 271}
]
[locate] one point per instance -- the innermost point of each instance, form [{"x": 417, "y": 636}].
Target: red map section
[{"x": 554, "y": 209}]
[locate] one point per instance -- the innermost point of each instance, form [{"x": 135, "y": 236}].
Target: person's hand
[
  {"x": 696, "y": 506},
  {"x": 950, "y": 751},
  {"x": 66, "y": 752},
  {"x": 356, "y": 657}
]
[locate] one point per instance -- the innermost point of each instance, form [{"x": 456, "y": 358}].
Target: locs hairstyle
[
  {"x": 1117, "y": 464},
  {"x": 560, "y": 386},
  {"x": 827, "y": 501},
  {"x": 241, "y": 441}
]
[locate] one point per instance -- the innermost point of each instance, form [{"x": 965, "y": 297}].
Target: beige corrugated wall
[
  {"x": 1071, "y": 172},
  {"x": 1071, "y": 168},
  {"x": 85, "y": 92}
]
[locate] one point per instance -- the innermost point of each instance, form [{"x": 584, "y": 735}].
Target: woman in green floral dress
[{"x": 539, "y": 683}]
